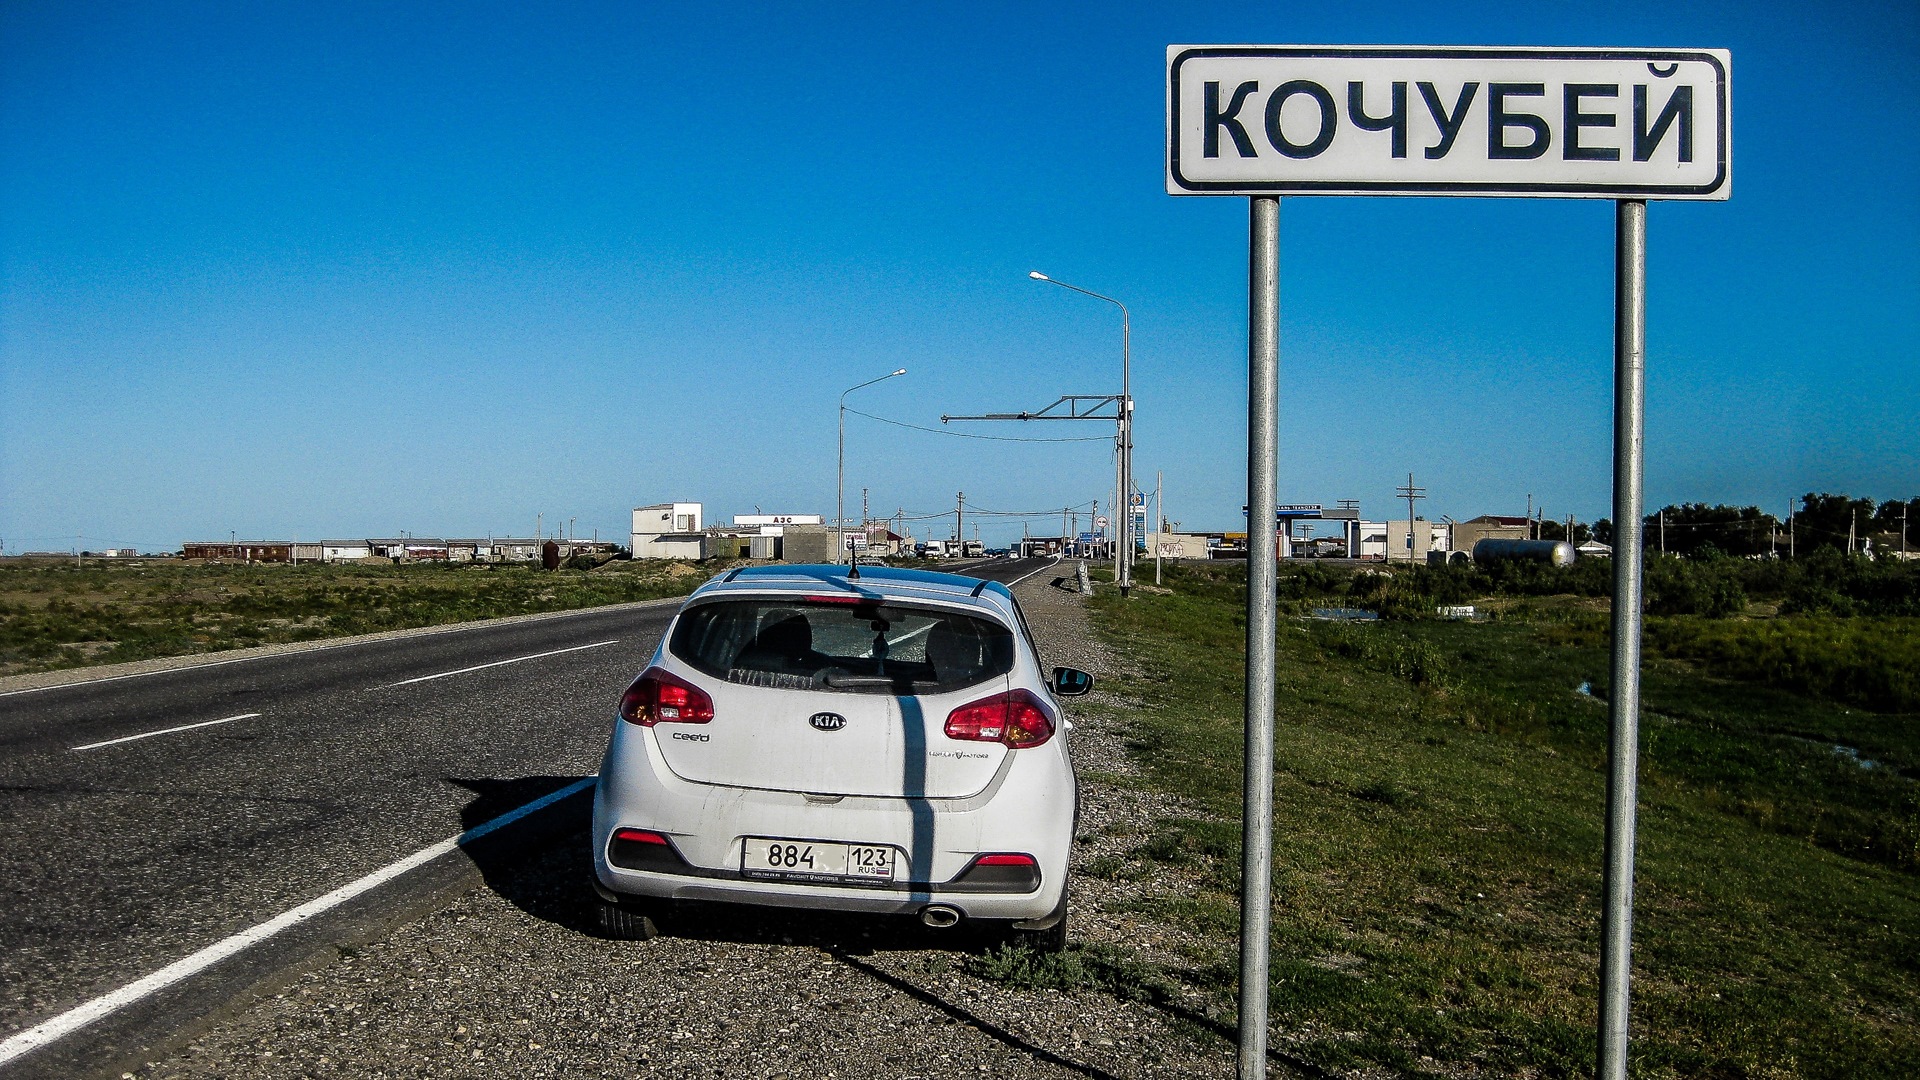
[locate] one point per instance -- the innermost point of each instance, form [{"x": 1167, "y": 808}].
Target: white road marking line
[
  {"x": 497, "y": 663},
  {"x": 80, "y": 1016},
  {"x": 164, "y": 731},
  {"x": 1025, "y": 576}
]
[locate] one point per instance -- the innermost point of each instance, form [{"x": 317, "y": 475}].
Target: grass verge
[
  {"x": 60, "y": 616},
  {"x": 1438, "y": 801}
]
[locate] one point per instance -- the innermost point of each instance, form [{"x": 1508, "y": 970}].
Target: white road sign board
[{"x": 1556, "y": 123}]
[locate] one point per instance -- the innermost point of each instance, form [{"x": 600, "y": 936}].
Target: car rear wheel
[{"x": 624, "y": 922}]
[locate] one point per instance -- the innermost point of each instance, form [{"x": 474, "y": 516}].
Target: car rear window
[{"x": 869, "y": 647}]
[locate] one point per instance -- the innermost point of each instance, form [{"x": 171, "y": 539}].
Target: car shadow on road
[{"x": 539, "y": 863}]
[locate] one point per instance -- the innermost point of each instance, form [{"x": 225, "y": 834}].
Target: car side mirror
[{"x": 1068, "y": 682}]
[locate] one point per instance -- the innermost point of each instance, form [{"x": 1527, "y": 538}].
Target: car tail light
[
  {"x": 658, "y": 697},
  {"x": 1015, "y": 718},
  {"x": 999, "y": 871},
  {"x": 644, "y": 849}
]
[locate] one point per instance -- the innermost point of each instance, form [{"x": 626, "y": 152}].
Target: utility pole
[
  {"x": 1853, "y": 526},
  {"x": 1904, "y": 507},
  {"x": 1790, "y": 547},
  {"x": 1530, "y": 535},
  {"x": 959, "y": 500},
  {"x": 1410, "y": 493},
  {"x": 1663, "y": 530},
  {"x": 863, "y": 510},
  {"x": 1159, "y": 525}
]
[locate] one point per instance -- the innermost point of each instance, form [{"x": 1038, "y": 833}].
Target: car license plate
[{"x": 815, "y": 860}]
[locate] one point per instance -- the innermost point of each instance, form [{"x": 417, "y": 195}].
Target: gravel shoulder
[{"x": 505, "y": 980}]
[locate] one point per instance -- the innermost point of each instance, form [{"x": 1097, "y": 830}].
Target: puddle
[
  {"x": 1344, "y": 614},
  {"x": 1853, "y": 754}
]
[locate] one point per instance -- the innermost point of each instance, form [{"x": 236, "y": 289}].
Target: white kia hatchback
[{"x": 804, "y": 737}]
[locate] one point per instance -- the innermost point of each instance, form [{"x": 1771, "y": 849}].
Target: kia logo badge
[{"x": 827, "y": 721}]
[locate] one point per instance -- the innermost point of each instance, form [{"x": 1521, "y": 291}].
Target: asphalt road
[{"x": 126, "y": 845}]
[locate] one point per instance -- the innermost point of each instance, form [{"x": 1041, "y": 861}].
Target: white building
[
  {"x": 668, "y": 531},
  {"x": 337, "y": 550},
  {"x": 775, "y": 524},
  {"x": 1429, "y": 536}
]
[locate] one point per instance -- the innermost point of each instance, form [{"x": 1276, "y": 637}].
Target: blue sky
[{"x": 356, "y": 269}]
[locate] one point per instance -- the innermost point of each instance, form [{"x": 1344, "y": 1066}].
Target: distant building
[
  {"x": 1488, "y": 527},
  {"x": 337, "y": 551},
  {"x": 410, "y": 548},
  {"x": 669, "y": 531},
  {"x": 774, "y": 524},
  {"x": 261, "y": 551},
  {"x": 1428, "y": 536},
  {"x": 1180, "y": 545},
  {"x": 807, "y": 544}
]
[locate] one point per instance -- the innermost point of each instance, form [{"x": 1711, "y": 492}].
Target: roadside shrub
[
  {"x": 1872, "y": 663},
  {"x": 1709, "y": 586}
]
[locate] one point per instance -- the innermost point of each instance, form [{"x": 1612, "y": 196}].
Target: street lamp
[
  {"x": 1122, "y": 558},
  {"x": 840, "y": 489}
]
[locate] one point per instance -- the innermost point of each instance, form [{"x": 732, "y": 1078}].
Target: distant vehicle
[
  {"x": 888, "y": 744},
  {"x": 973, "y": 549},
  {"x": 935, "y": 549},
  {"x": 920, "y": 550}
]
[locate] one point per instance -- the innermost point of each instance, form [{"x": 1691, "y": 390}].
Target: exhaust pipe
[{"x": 939, "y": 915}]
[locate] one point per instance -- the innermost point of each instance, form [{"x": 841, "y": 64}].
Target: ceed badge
[{"x": 827, "y": 721}]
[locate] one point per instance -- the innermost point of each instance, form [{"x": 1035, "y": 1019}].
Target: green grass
[
  {"x": 59, "y": 615},
  {"x": 1439, "y": 788},
  {"x": 1870, "y": 662}
]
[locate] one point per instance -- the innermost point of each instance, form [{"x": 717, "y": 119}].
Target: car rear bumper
[{"x": 1029, "y": 810}]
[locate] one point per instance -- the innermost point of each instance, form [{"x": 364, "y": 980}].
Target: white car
[{"x": 803, "y": 737}]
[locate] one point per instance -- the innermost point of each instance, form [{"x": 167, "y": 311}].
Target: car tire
[
  {"x": 1053, "y": 939},
  {"x": 620, "y": 922}
]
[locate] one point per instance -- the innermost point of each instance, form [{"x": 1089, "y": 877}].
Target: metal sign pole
[
  {"x": 1263, "y": 417},
  {"x": 1623, "y": 708}
]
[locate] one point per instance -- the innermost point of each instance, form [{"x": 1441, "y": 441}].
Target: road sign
[
  {"x": 1100, "y": 522},
  {"x": 1581, "y": 123},
  {"x": 1622, "y": 124},
  {"x": 1138, "y": 501}
]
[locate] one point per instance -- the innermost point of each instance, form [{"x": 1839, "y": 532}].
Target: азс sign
[{"x": 1313, "y": 120}]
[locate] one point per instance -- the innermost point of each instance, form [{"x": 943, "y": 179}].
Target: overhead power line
[
  {"x": 969, "y": 435},
  {"x": 972, "y": 509}
]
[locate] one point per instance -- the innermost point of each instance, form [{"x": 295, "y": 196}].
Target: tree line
[{"x": 1819, "y": 522}]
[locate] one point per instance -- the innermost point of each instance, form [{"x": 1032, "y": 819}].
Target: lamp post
[
  {"x": 840, "y": 488},
  {"x": 1123, "y": 556}
]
